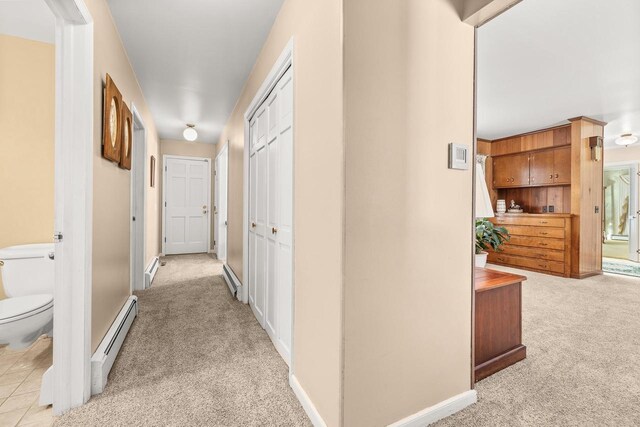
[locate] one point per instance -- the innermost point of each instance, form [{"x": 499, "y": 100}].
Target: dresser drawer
[
  {"x": 529, "y": 230},
  {"x": 536, "y": 264},
  {"x": 537, "y": 242},
  {"x": 528, "y": 252},
  {"x": 531, "y": 220}
]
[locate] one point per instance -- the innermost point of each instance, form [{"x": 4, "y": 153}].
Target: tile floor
[{"x": 20, "y": 377}]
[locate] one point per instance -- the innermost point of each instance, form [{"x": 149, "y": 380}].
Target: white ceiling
[
  {"x": 544, "y": 61},
  {"x": 192, "y": 57},
  {"x": 29, "y": 19}
]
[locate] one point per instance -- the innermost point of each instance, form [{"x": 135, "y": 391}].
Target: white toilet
[{"x": 28, "y": 279}]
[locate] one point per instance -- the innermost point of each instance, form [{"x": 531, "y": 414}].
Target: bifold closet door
[{"x": 273, "y": 130}]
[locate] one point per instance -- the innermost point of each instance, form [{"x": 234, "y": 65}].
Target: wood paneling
[
  {"x": 562, "y": 136},
  {"x": 586, "y": 199},
  {"x": 537, "y": 141},
  {"x": 535, "y": 199},
  {"x": 484, "y": 147},
  {"x": 506, "y": 146}
]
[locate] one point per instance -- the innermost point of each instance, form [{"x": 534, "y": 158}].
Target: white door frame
[
  {"x": 216, "y": 193},
  {"x": 284, "y": 61},
  {"x": 74, "y": 151},
  {"x": 164, "y": 196},
  {"x": 139, "y": 194}
]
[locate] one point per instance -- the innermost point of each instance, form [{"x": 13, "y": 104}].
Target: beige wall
[
  {"x": 408, "y": 242},
  {"x": 27, "y": 130},
  {"x": 112, "y": 185},
  {"x": 624, "y": 154},
  {"x": 190, "y": 149},
  {"x": 319, "y": 195}
]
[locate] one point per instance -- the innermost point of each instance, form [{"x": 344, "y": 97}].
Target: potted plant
[{"x": 488, "y": 235}]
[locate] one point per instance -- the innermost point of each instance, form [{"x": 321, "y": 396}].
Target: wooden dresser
[{"x": 539, "y": 242}]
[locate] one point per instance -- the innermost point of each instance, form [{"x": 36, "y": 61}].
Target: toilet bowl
[{"x": 28, "y": 280}]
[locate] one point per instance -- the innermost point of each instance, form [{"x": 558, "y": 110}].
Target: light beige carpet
[
  {"x": 193, "y": 357},
  {"x": 583, "y": 358}
]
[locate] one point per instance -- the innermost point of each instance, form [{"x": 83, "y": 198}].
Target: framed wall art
[
  {"x": 127, "y": 137},
  {"x": 111, "y": 124}
]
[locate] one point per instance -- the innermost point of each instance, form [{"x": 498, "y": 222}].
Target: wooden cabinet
[
  {"x": 538, "y": 168},
  {"x": 538, "y": 242},
  {"x": 541, "y": 168},
  {"x": 562, "y": 165},
  {"x": 498, "y": 321},
  {"x": 511, "y": 171}
]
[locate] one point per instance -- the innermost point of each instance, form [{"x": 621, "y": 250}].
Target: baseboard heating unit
[
  {"x": 102, "y": 360},
  {"x": 231, "y": 279},
  {"x": 151, "y": 271}
]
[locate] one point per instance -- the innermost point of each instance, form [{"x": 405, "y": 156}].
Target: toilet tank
[{"x": 27, "y": 269}]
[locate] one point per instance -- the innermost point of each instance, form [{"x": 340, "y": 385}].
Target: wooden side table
[{"x": 498, "y": 321}]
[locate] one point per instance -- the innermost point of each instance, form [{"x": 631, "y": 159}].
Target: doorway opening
[
  {"x": 138, "y": 202},
  {"x": 220, "y": 206},
  {"x": 620, "y": 220}
]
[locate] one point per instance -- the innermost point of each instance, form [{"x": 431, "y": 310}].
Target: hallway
[{"x": 194, "y": 356}]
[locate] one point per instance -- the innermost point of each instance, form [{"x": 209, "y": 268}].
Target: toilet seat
[{"x": 16, "y": 308}]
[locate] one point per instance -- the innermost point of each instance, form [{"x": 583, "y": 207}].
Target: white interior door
[
  {"x": 271, "y": 236},
  {"x": 187, "y": 183},
  {"x": 222, "y": 162}
]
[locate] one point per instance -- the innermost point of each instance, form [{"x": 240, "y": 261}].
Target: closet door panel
[
  {"x": 272, "y": 216},
  {"x": 285, "y": 219}
]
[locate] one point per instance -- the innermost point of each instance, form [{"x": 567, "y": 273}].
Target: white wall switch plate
[{"x": 459, "y": 156}]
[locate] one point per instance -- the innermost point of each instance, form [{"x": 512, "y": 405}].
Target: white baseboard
[
  {"x": 102, "y": 360},
  {"x": 150, "y": 271},
  {"x": 439, "y": 411},
  {"x": 306, "y": 403},
  {"x": 235, "y": 286}
]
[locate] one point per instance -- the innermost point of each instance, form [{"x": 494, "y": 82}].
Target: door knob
[
  {"x": 551, "y": 176},
  {"x": 274, "y": 230},
  {"x": 557, "y": 175},
  {"x": 253, "y": 225}
]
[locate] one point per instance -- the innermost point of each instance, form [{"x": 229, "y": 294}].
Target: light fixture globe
[
  {"x": 190, "y": 134},
  {"x": 626, "y": 139}
]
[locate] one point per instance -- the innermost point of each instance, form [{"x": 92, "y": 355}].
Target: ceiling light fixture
[
  {"x": 626, "y": 139},
  {"x": 190, "y": 133}
]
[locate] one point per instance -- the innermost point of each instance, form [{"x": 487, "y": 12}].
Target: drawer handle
[
  {"x": 542, "y": 255},
  {"x": 544, "y": 233},
  {"x": 500, "y": 259},
  {"x": 543, "y": 266},
  {"x": 544, "y": 222},
  {"x": 543, "y": 244}
]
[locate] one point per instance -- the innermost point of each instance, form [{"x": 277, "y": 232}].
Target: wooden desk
[{"x": 498, "y": 321}]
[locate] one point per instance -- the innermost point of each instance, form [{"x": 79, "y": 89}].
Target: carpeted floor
[
  {"x": 193, "y": 357},
  {"x": 583, "y": 358}
]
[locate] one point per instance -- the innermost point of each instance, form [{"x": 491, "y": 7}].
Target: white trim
[
  {"x": 164, "y": 196},
  {"x": 138, "y": 227},
  {"x": 74, "y": 151},
  {"x": 234, "y": 283},
  {"x": 106, "y": 353},
  {"x": 306, "y": 402},
  {"x": 438, "y": 411}
]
